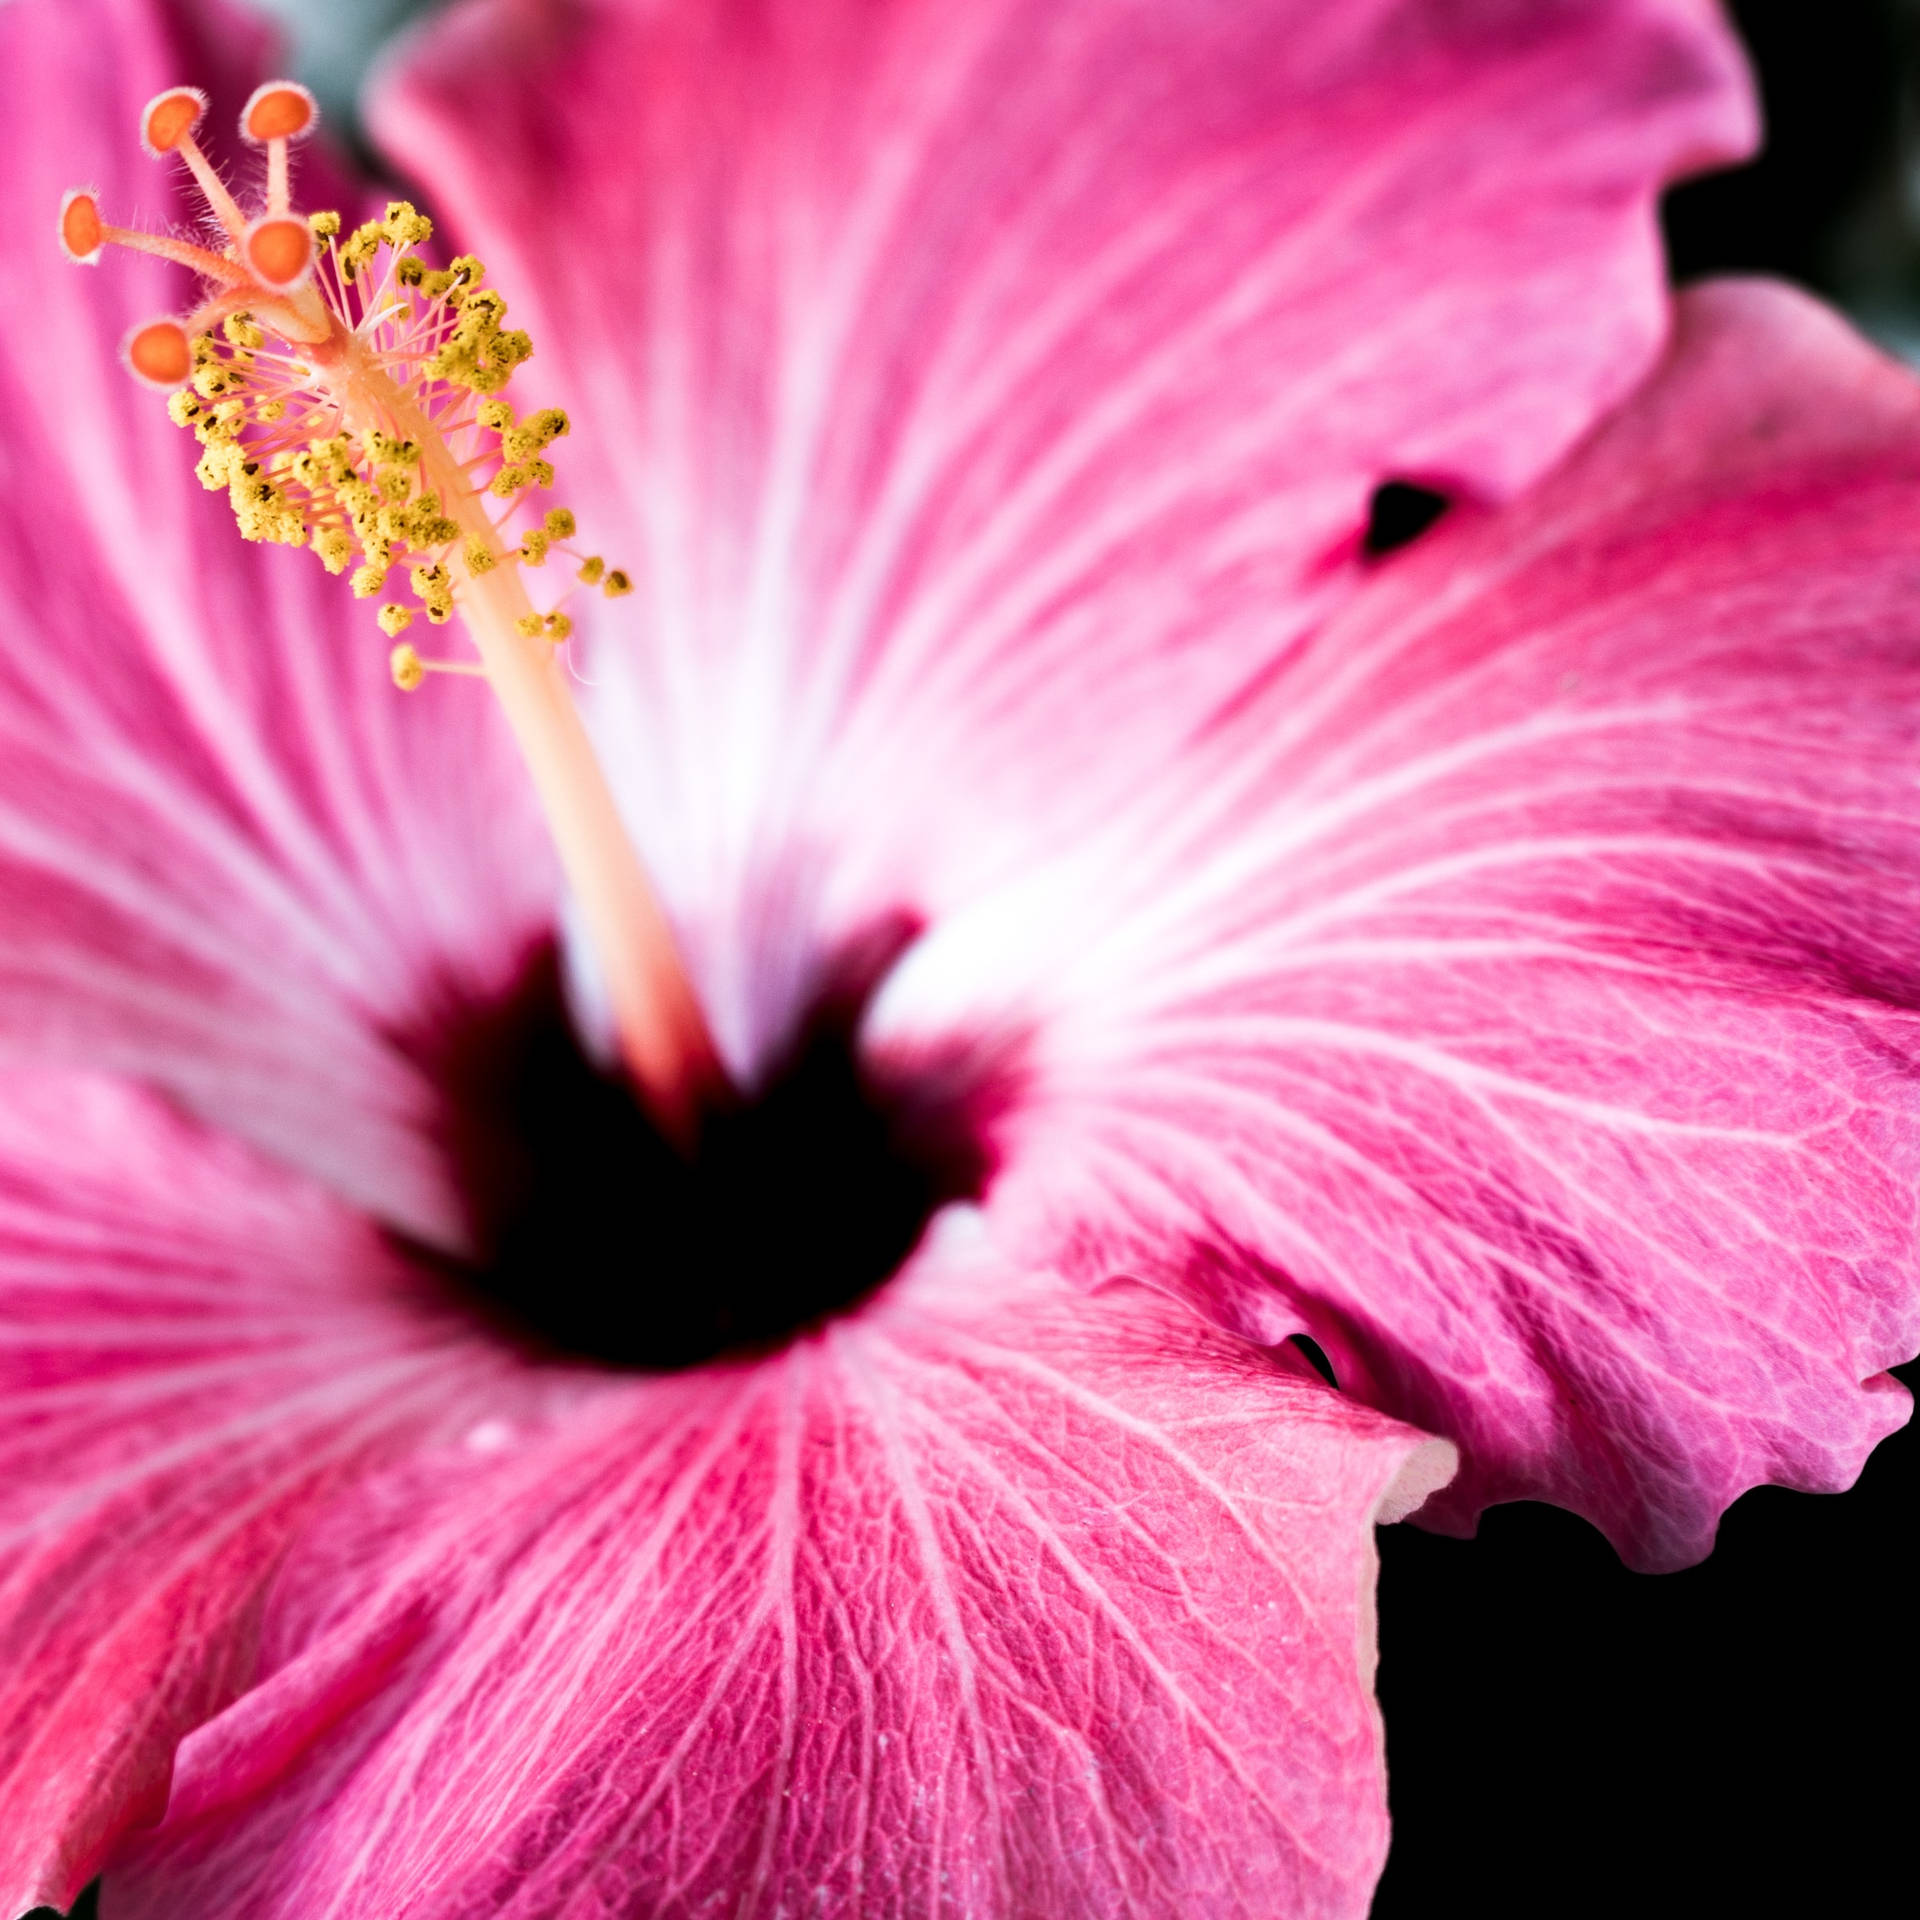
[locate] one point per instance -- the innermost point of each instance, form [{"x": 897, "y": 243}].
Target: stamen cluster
[
  {"x": 298, "y": 472},
  {"x": 346, "y": 394}
]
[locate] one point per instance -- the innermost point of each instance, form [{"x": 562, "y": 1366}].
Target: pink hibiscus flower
[{"x": 1147, "y": 916}]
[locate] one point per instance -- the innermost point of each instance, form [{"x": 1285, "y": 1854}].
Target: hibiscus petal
[
  {"x": 991, "y": 1599},
  {"x": 196, "y": 1351},
  {"x": 1520, "y": 995},
  {"x": 990, "y": 387},
  {"x": 232, "y": 858}
]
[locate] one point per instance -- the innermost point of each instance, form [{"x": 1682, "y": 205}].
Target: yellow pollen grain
[
  {"x": 407, "y": 668},
  {"x": 559, "y": 628},
  {"x": 394, "y": 619},
  {"x": 530, "y": 626},
  {"x": 590, "y": 571},
  {"x": 357, "y": 250},
  {"x": 561, "y": 524},
  {"x": 480, "y": 557},
  {"x": 405, "y": 225},
  {"x": 533, "y": 547},
  {"x": 215, "y": 467},
  {"x": 617, "y": 584}
]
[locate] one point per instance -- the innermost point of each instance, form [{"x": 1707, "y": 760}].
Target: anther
[
  {"x": 409, "y": 669},
  {"x": 159, "y": 353}
]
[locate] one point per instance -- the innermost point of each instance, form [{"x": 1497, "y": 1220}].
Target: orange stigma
[
  {"x": 346, "y": 398},
  {"x": 81, "y": 231},
  {"x": 279, "y": 249},
  {"x": 170, "y": 118},
  {"x": 159, "y": 353},
  {"x": 278, "y": 111}
]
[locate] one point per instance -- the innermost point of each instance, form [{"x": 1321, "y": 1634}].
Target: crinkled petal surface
[
  {"x": 198, "y": 1351},
  {"x": 992, "y": 1600},
  {"x": 231, "y": 861},
  {"x": 991, "y": 389},
  {"x": 1519, "y": 993},
  {"x": 1489, "y": 962}
]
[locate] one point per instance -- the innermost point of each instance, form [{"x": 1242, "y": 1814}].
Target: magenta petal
[
  {"x": 199, "y": 1351},
  {"x": 232, "y": 859},
  {"x": 991, "y": 1600},
  {"x": 980, "y": 392},
  {"x": 1521, "y": 995}
]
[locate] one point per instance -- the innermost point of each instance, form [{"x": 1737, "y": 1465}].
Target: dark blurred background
[
  {"x": 1565, "y": 1738},
  {"x": 1833, "y": 201}
]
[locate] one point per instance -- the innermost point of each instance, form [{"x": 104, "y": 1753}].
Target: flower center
[
  {"x": 600, "y": 1239},
  {"x": 347, "y": 398}
]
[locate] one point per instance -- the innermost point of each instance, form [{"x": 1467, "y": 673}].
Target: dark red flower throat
[{"x": 602, "y": 1239}]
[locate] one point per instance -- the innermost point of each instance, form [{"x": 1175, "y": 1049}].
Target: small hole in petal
[
  {"x": 86, "y": 1907},
  {"x": 1399, "y": 513},
  {"x": 1316, "y": 1357}
]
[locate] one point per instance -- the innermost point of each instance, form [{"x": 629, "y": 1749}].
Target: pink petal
[
  {"x": 232, "y": 858},
  {"x": 198, "y": 1352},
  {"x": 990, "y": 1600},
  {"x": 1519, "y": 993},
  {"x": 980, "y": 391}
]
